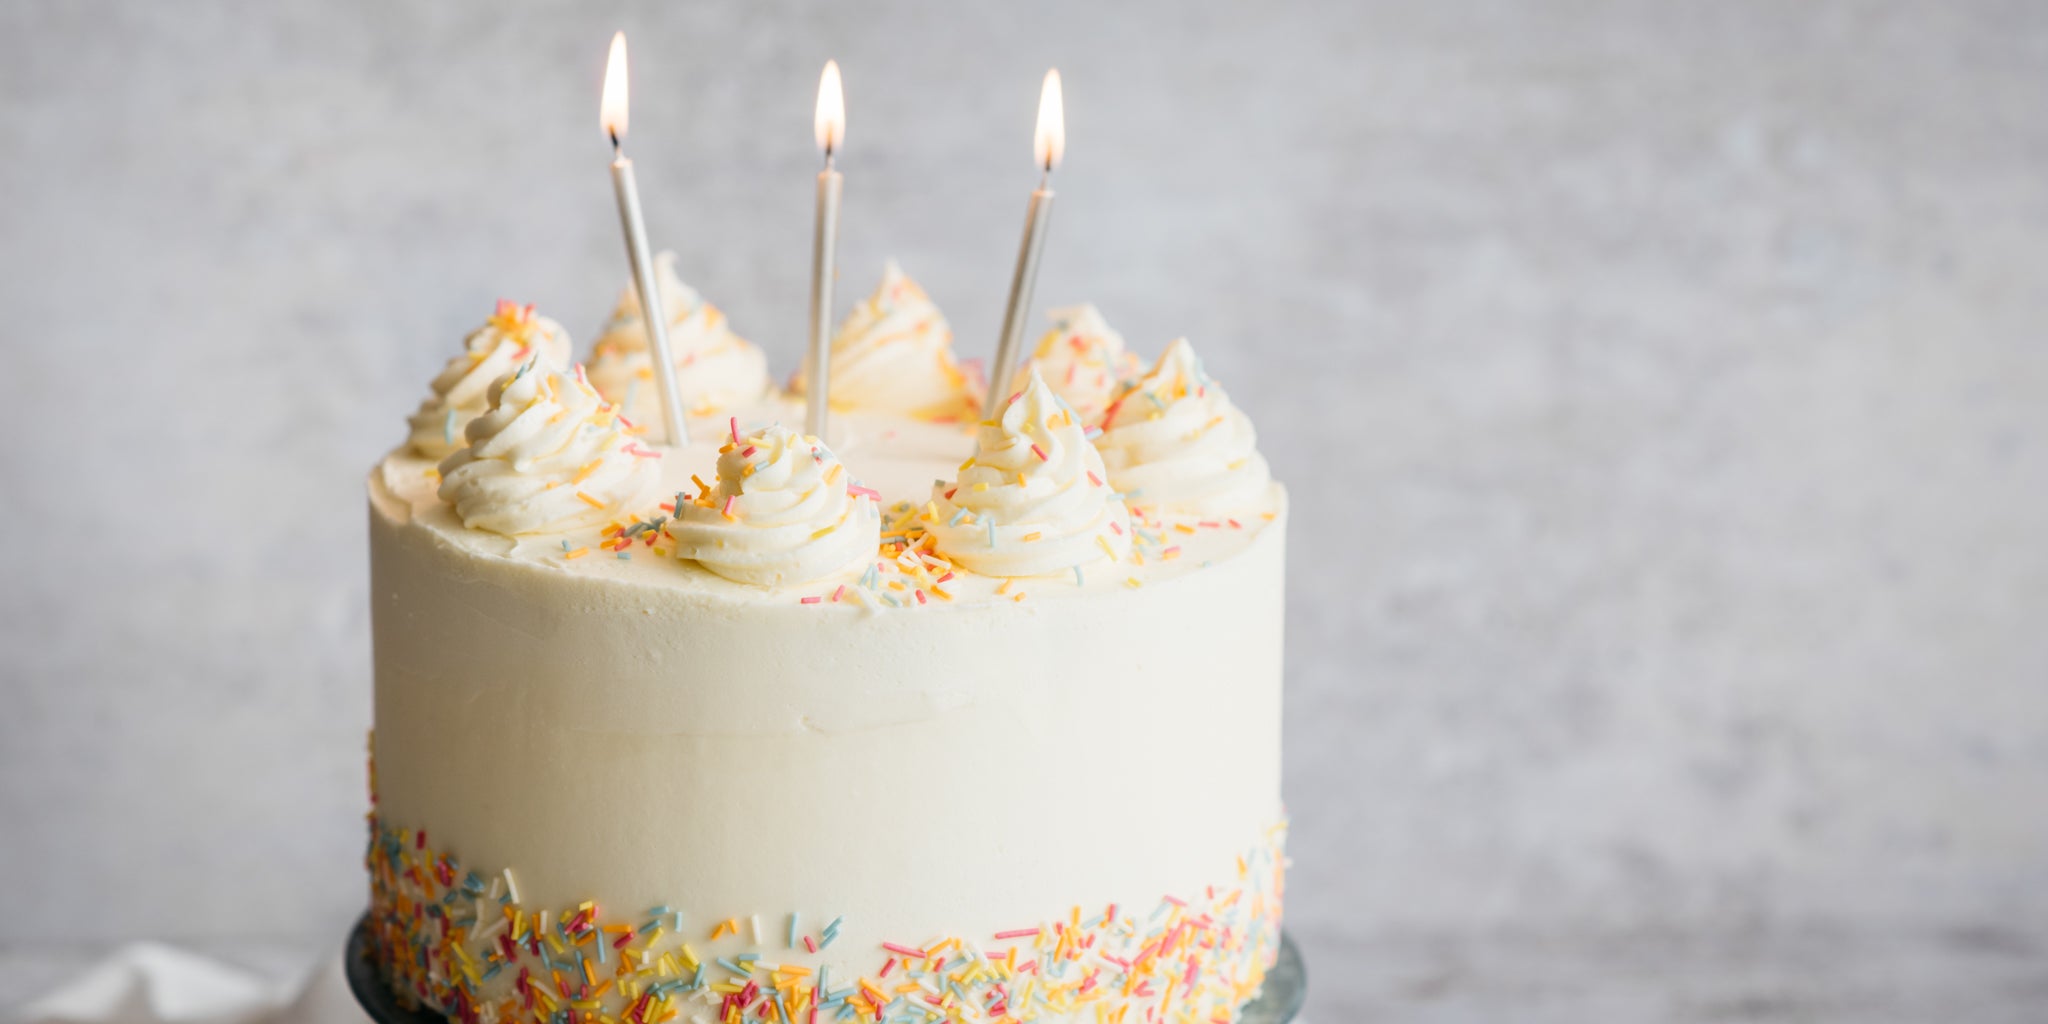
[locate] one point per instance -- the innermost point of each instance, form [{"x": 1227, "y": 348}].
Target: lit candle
[
  {"x": 831, "y": 129},
  {"x": 653, "y": 312},
  {"x": 1048, "y": 144}
]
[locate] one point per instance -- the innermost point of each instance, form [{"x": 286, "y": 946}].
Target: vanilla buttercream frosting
[
  {"x": 550, "y": 455},
  {"x": 1033, "y": 498},
  {"x": 894, "y": 354},
  {"x": 1083, "y": 360},
  {"x": 716, "y": 369},
  {"x": 512, "y": 336},
  {"x": 783, "y": 510},
  {"x": 1174, "y": 442}
]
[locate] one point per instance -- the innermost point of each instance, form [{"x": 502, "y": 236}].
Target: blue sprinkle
[
  {"x": 957, "y": 516},
  {"x": 734, "y": 968},
  {"x": 448, "y": 426},
  {"x": 1078, "y": 581},
  {"x": 991, "y": 531},
  {"x": 792, "y": 929},
  {"x": 833, "y": 928}
]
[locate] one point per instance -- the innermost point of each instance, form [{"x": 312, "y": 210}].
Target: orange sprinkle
[
  {"x": 578, "y": 553},
  {"x": 588, "y": 500}
]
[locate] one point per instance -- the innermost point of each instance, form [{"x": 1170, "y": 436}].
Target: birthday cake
[{"x": 934, "y": 718}]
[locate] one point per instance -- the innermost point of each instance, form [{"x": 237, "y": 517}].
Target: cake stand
[{"x": 1278, "y": 1002}]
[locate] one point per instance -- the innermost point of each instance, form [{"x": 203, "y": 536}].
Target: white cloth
[{"x": 150, "y": 983}]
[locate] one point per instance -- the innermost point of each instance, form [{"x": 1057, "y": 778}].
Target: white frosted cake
[{"x": 929, "y": 719}]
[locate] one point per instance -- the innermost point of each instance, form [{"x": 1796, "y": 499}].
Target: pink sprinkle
[
  {"x": 835, "y": 600},
  {"x": 1013, "y": 397},
  {"x": 750, "y": 450},
  {"x": 639, "y": 452},
  {"x": 1021, "y": 933},
  {"x": 1118, "y": 527},
  {"x": 862, "y": 492},
  {"x": 1093, "y": 479},
  {"x": 810, "y": 947},
  {"x": 946, "y": 577},
  {"x": 1040, "y": 452},
  {"x": 630, "y": 425},
  {"x": 890, "y": 966},
  {"x": 1174, "y": 901},
  {"x": 727, "y": 510},
  {"x": 813, "y": 599},
  {"x": 914, "y": 954},
  {"x": 1234, "y": 524},
  {"x": 735, "y": 422}
]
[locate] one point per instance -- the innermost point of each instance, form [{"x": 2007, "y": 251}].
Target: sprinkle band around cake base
[{"x": 449, "y": 938}]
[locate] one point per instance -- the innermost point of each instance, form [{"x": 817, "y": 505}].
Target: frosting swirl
[
  {"x": 715, "y": 368},
  {"x": 1174, "y": 442},
  {"x": 1033, "y": 498},
  {"x": 550, "y": 456},
  {"x": 783, "y": 511},
  {"x": 461, "y": 392},
  {"x": 894, "y": 353},
  {"x": 1083, "y": 360}
]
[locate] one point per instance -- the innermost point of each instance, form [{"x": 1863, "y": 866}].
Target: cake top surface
[{"x": 1095, "y": 474}]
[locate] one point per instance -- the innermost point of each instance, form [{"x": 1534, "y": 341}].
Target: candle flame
[
  {"x": 831, "y": 119},
  {"x": 1050, "y": 142},
  {"x": 611, "y": 108}
]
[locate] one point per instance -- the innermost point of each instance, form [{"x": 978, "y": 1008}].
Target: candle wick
[
  {"x": 614, "y": 133},
  {"x": 828, "y": 156}
]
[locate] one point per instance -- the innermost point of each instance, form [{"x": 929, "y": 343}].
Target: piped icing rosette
[
  {"x": 715, "y": 368},
  {"x": 1033, "y": 498},
  {"x": 549, "y": 456},
  {"x": 1174, "y": 443},
  {"x": 783, "y": 511},
  {"x": 1083, "y": 360},
  {"x": 894, "y": 353},
  {"x": 508, "y": 340}
]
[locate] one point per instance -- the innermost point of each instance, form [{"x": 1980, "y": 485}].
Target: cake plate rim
[{"x": 1279, "y": 1000}]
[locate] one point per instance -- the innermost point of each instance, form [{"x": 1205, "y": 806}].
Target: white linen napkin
[{"x": 151, "y": 983}]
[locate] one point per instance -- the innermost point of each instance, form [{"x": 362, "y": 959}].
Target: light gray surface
[{"x": 1663, "y": 389}]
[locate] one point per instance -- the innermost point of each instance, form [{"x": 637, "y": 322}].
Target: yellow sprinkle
[
  {"x": 1005, "y": 588},
  {"x": 821, "y": 531},
  {"x": 833, "y": 473},
  {"x": 689, "y": 956},
  {"x": 980, "y": 487},
  {"x": 588, "y": 500},
  {"x": 1132, "y": 582},
  {"x": 1106, "y": 549},
  {"x": 1033, "y": 535},
  {"x": 1183, "y": 527},
  {"x": 968, "y": 464},
  {"x": 1018, "y": 596},
  {"x": 578, "y": 553}
]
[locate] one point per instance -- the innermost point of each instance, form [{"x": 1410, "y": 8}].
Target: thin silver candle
[
  {"x": 1048, "y": 145},
  {"x": 653, "y": 312},
  {"x": 831, "y": 131}
]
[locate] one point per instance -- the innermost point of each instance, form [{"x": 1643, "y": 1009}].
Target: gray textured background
[{"x": 1664, "y": 390}]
